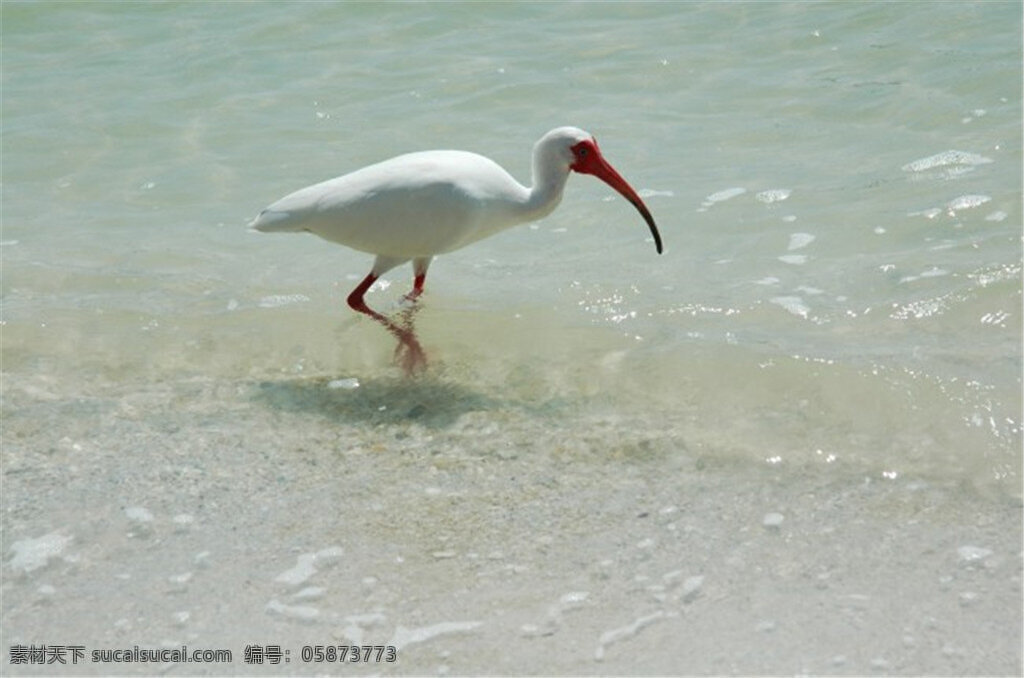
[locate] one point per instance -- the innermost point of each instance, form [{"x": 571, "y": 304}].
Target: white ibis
[{"x": 415, "y": 206}]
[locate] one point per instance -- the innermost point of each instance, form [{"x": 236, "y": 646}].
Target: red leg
[
  {"x": 417, "y": 287},
  {"x": 355, "y": 298},
  {"x": 408, "y": 352}
]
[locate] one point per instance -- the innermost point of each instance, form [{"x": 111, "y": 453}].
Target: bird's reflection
[{"x": 409, "y": 354}]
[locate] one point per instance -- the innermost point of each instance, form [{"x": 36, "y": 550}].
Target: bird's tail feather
[{"x": 270, "y": 221}]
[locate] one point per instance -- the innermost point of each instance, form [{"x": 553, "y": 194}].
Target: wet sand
[{"x": 478, "y": 534}]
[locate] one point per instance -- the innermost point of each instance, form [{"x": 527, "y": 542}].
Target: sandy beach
[{"x": 444, "y": 521}]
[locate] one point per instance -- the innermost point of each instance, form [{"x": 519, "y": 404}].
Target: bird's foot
[{"x": 410, "y": 297}]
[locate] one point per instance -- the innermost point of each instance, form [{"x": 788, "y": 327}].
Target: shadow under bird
[{"x": 418, "y": 205}]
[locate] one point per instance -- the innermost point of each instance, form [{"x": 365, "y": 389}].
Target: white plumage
[{"x": 417, "y": 205}]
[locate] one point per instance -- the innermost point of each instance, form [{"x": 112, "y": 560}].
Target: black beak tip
[
  {"x": 656, "y": 234},
  {"x": 650, "y": 223}
]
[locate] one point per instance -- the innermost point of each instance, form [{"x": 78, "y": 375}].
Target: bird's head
[{"x": 580, "y": 151}]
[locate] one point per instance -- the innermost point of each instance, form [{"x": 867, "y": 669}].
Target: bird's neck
[{"x": 548, "y": 183}]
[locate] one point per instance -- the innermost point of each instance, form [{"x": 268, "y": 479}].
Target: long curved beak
[{"x": 600, "y": 168}]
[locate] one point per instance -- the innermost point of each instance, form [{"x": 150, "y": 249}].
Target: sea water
[{"x": 838, "y": 187}]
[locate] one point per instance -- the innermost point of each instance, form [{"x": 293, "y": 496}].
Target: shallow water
[{"x": 591, "y": 467}]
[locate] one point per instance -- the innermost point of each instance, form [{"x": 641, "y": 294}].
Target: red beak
[{"x": 590, "y": 161}]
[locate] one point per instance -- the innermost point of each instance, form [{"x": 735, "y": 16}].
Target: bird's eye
[{"x": 580, "y": 155}]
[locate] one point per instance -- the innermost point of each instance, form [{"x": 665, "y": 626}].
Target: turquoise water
[
  {"x": 838, "y": 187},
  {"x": 131, "y": 170}
]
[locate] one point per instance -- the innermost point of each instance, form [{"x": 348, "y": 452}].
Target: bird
[{"x": 415, "y": 206}]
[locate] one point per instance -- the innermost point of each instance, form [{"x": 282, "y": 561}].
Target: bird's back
[{"x": 413, "y": 205}]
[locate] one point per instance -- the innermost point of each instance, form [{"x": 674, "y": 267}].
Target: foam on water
[
  {"x": 794, "y": 305},
  {"x": 799, "y": 241},
  {"x": 33, "y": 554},
  {"x": 407, "y": 636},
  {"x": 722, "y": 196},
  {"x": 967, "y": 202},
  {"x": 945, "y": 159},
  {"x": 774, "y": 195}
]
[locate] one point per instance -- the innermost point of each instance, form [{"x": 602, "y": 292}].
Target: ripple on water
[
  {"x": 967, "y": 202},
  {"x": 800, "y": 240},
  {"x": 945, "y": 159},
  {"x": 275, "y": 300},
  {"x": 308, "y": 564},
  {"x": 722, "y": 196},
  {"x": 299, "y": 613},
  {"x": 793, "y": 259},
  {"x": 793, "y": 304},
  {"x": 407, "y": 636},
  {"x": 628, "y": 631},
  {"x": 773, "y": 195}
]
